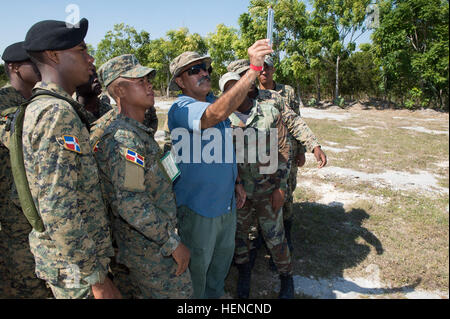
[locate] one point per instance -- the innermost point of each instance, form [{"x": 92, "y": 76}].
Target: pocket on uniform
[{"x": 134, "y": 177}]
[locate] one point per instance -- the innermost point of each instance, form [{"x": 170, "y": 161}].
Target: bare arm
[{"x": 230, "y": 101}]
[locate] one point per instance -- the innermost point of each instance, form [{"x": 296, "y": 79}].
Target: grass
[{"x": 404, "y": 233}]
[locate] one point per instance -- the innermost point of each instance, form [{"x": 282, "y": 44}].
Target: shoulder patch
[
  {"x": 134, "y": 157},
  {"x": 71, "y": 143}
]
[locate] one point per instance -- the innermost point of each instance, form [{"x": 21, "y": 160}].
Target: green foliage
[
  {"x": 223, "y": 46},
  {"x": 412, "y": 48},
  {"x": 315, "y": 52},
  {"x": 160, "y": 52},
  {"x": 123, "y": 39},
  {"x": 3, "y": 76}
]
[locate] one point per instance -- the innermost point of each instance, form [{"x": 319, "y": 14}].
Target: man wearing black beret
[
  {"x": 73, "y": 252},
  {"x": 18, "y": 279}
]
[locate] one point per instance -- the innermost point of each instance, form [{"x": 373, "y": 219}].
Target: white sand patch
[
  {"x": 334, "y": 149},
  {"x": 353, "y": 147},
  {"x": 424, "y": 130},
  {"x": 159, "y": 136},
  {"x": 358, "y": 288},
  {"x": 164, "y": 104},
  {"x": 444, "y": 164},
  {"x": 331, "y": 196},
  {"x": 331, "y": 143},
  {"x": 421, "y": 180},
  {"x": 324, "y": 115}
]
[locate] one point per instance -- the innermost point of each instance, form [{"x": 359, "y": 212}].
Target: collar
[
  {"x": 133, "y": 122},
  {"x": 53, "y": 87}
]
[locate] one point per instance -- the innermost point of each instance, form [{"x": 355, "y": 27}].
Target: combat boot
[
  {"x": 287, "y": 233},
  {"x": 287, "y": 287},
  {"x": 243, "y": 285}
]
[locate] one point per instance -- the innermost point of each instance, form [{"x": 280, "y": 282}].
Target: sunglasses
[{"x": 193, "y": 70}]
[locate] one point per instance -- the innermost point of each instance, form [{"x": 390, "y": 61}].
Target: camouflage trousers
[
  {"x": 147, "y": 274},
  {"x": 288, "y": 207},
  {"x": 272, "y": 229},
  {"x": 17, "y": 268}
]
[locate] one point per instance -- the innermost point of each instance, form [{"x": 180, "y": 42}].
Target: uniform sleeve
[
  {"x": 296, "y": 125},
  {"x": 60, "y": 190},
  {"x": 137, "y": 192},
  {"x": 283, "y": 154}
]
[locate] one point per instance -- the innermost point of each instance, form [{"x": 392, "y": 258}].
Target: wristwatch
[{"x": 239, "y": 182}]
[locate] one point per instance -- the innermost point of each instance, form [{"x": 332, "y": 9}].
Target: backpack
[{"x": 16, "y": 155}]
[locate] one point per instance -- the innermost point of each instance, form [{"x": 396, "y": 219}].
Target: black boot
[
  {"x": 287, "y": 287},
  {"x": 243, "y": 285},
  {"x": 287, "y": 233}
]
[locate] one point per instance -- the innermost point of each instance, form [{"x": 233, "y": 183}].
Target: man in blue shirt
[{"x": 205, "y": 191}]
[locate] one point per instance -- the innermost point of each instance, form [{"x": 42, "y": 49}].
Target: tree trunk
[
  {"x": 299, "y": 95},
  {"x": 337, "y": 78},
  {"x": 168, "y": 84},
  {"x": 318, "y": 86}
]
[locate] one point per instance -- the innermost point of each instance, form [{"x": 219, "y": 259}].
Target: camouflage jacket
[
  {"x": 64, "y": 183},
  {"x": 10, "y": 99},
  {"x": 151, "y": 120},
  {"x": 262, "y": 119},
  {"x": 288, "y": 93},
  {"x": 295, "y": 125},
  {"x": 135, "y": 186}
]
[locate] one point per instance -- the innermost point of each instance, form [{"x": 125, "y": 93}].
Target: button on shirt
[{"x": 206, "y": 159}]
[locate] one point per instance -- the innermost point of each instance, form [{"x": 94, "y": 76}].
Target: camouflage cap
[
  {"x": 183, "y": 60},
  {"x": 239, "y": 66},
  {"x": 228, "y": 77},
  {"x": 268, "y": 60},
  {"x": 125, "y": 66}
]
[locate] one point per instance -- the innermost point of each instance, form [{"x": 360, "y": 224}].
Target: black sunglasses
[{"x": 196, "y": 69}]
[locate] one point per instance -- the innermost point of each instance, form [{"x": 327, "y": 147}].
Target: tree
[
  {"x": 341, "y": 23},
  {"x": 3, "y": 76},
  {"x": 161, "y": 52},
  {"x": 123, "y": 39},
  {"x": 222, "y": 47},
  {"x": 412, "y": 47}
]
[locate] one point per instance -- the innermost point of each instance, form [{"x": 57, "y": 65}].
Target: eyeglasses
[{"x": 196, "y": 69}]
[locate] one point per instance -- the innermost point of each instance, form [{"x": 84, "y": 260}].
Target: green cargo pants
[{"x": 211, "y": 243}]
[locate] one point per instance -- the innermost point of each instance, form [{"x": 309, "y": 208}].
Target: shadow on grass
[{"x": 328, "y": 240}]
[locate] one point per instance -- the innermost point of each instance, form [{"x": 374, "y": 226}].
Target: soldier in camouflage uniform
[
  {"x": 89, "y": 95},
  {"x": 137, "y": 189},
  {"x": 297, "y": 155},
  {"x": 73, "y": 252},
  {"x": 18, "y": 279},
  {"x": 265, "y": 192},
  {"x": 297, "y": 128}
]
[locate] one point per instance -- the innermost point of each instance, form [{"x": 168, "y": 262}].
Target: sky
[{"x": 153, "y": 16}]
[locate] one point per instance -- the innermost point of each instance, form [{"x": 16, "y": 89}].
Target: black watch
[{"x": 239, "y": 182}]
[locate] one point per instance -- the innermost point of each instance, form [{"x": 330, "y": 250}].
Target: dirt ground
[{"x": 374, "y": 222}]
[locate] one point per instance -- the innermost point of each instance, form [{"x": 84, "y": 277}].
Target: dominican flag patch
[
  {"x": 71, "y": 143},
  {"x": 134, "y": 157}
]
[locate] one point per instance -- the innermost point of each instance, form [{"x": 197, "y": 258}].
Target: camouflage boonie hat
[
  {"x": 125, "y": 66},
  {"x": 183, "y": 60},
  {"x": 239, "y": 66},
  {"x": 228, "y": 77}
]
